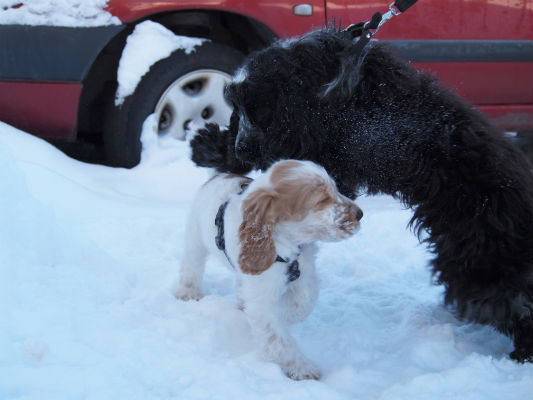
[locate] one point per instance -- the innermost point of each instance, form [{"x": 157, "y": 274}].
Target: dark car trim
[
  {"x": 50, "y": 53},
  {"x": 462, "y": 50},
  {"x": 47, "y": 53}
]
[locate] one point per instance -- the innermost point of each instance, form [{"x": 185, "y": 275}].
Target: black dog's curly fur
[{"x": 381, "y": 125}]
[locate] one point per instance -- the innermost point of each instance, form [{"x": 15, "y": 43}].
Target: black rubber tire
[{"x": 123, "y": 124}]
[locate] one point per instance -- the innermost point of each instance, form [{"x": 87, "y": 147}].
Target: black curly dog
[{"x": 381, "y": 125}]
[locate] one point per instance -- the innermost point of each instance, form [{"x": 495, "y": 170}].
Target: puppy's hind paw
[
  {"x": 187, "y": 292},
  {"x": 302, "y": 369}
]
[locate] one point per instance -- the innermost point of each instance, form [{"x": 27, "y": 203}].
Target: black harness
[{"x": 293, "y": 270}]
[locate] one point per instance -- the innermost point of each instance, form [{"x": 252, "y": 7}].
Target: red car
[{"x": 59, "y": 83}]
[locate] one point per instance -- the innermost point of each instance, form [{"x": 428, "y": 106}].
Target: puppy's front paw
[
  {"x": 187, "y": 292},
  {"x": 301, "y": 369}
]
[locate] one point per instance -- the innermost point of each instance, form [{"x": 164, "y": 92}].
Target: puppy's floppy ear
[{"x": 258, "y": 251}]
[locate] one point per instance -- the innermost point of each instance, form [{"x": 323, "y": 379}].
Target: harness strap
[
  {"x": 293, "y": 270},
  {"x": 219, "y": 222}
]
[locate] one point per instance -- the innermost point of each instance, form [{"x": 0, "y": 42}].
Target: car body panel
[
  {"x": 482, "y": 49},
  {"x": 472, "y": 80},
  {"x": 277, "y": 15},
  {"x": 453, "y": 20},
  {"x": 51, "y": 53},
  {"x": 49, "y": 108},
  {"x": 41, "y": 74}
]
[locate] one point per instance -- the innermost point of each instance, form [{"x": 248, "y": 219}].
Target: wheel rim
[{"x": 191, "y": 101}]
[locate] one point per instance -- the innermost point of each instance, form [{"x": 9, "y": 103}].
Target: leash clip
[{"x": 393, "y": 11}]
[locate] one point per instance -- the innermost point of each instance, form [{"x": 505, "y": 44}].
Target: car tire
[{"x": 195, "y": 82}]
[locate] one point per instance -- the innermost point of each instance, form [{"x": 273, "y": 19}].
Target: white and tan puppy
[{"x": 265, "y": 231}]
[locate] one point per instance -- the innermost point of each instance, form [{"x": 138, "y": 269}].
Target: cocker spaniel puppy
[{"x": 265, "y": 231}]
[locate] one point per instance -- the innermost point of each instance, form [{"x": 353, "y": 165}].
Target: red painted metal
[
  {"x": 48, "y": 110},
  {"x": 472, "y": 19},
  {"x": 502, "y": 90},
  {"x": 277, "y": 15},
  {"x": 485, "y": 83}
]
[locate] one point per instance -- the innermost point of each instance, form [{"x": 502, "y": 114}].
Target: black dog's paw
[
  {"x": 523, "y": 341},
  {"x": 522, "y": 355},
  {"x": 209, "y": 147},
  {"x": 213, "y": 148}
]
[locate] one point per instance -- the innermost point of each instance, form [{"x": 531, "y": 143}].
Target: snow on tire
[{"x": 183, "y": 90}]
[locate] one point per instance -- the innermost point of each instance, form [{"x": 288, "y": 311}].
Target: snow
[
  {"x": 72, "y": 13},
  {"x": 148, "y": 43},
  {"x": 88, "y": 255}
]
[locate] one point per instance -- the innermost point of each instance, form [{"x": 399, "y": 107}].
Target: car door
[{"x": 482, "y": 49}]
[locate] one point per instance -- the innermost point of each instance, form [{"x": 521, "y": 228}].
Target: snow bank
[
  {"x": 149, "y": 43},
  {"x": 87, "y": 258},
  {"x": 56, "y": 12}
]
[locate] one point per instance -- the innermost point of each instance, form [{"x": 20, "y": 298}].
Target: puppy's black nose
[{"x": 359, "y": 214}]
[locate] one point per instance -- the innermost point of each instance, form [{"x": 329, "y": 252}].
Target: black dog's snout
[
  {"x": 245, "y": 152},
  {"x": 248, "y": 141},
  {"x": 359, "y": 214},
  {"x": 241, "y": 147}
]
